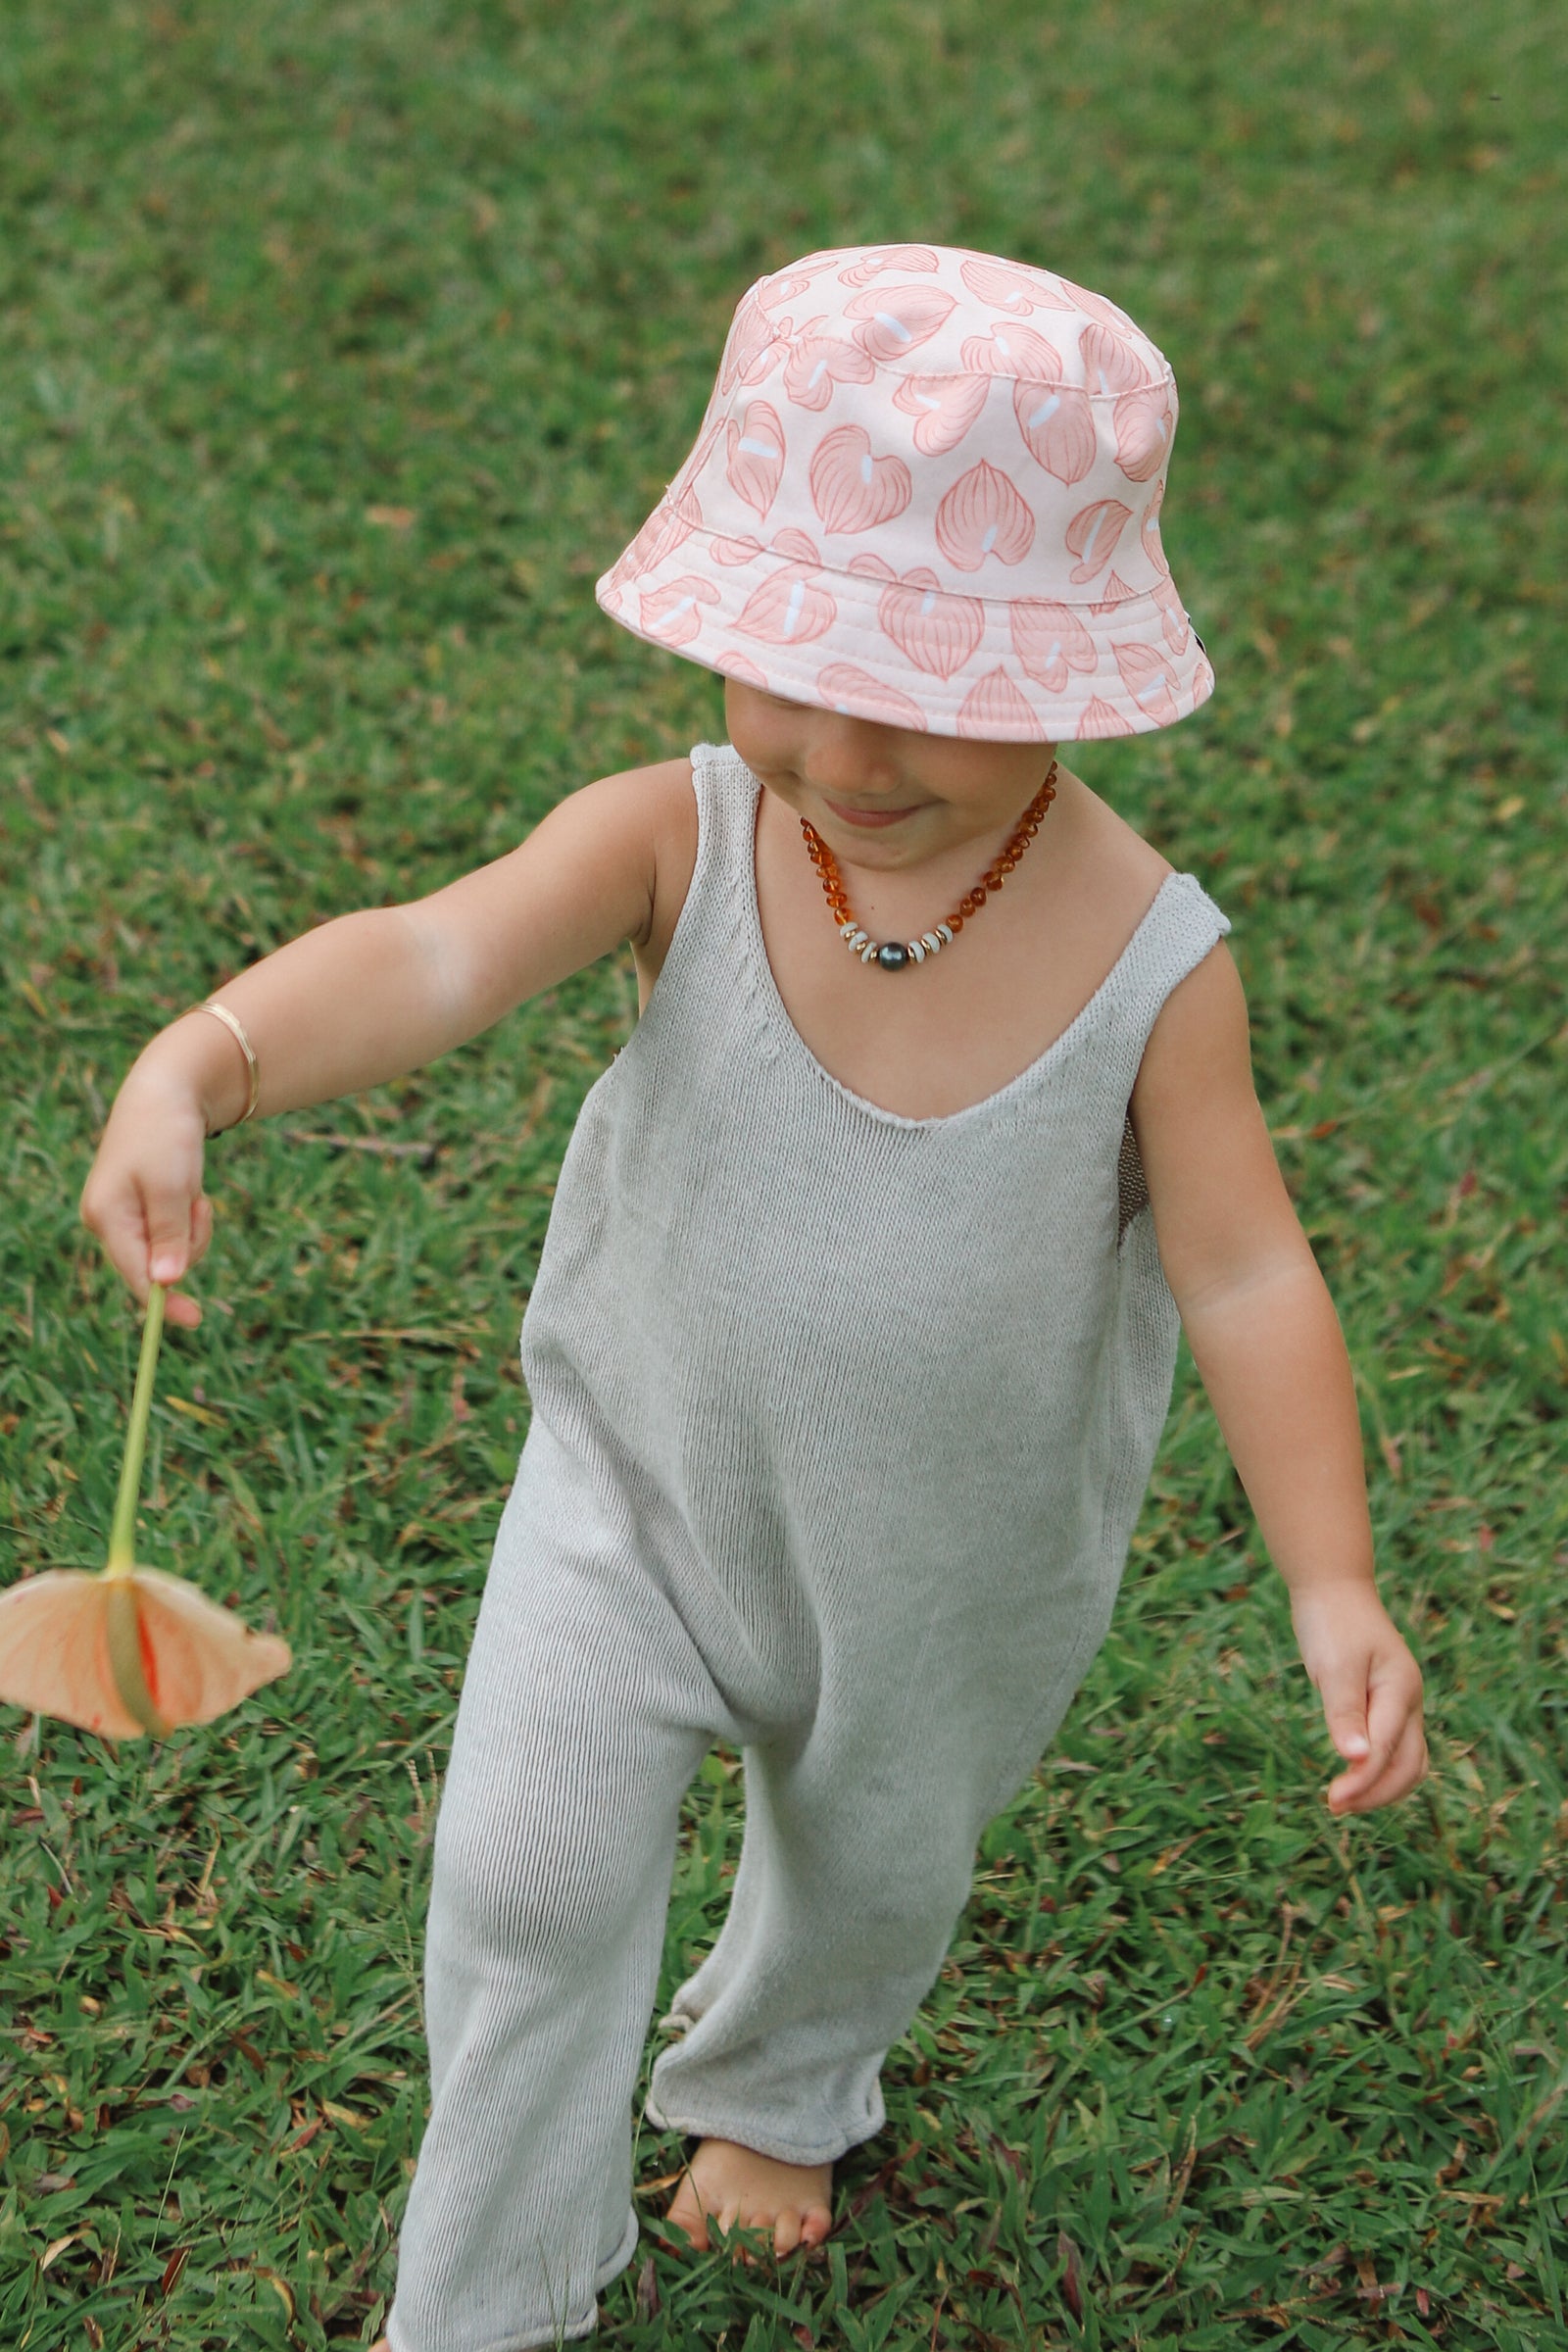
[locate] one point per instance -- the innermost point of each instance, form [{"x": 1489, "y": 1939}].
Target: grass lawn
[{"x": 343, "y": 347}]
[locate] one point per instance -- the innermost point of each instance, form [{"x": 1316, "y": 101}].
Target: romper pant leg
[
  {"x": 856, "y": 1866},
  {"x": 585, "y": 1712},
  {"x": 840, "y": 1919}
]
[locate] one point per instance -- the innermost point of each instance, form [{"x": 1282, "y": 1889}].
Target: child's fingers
[
  {"x": 170, "y": 1223},
  {"x": 201, "y": 1229},
  {"x": 1378, "y": 1729},
  {"x": 178, "y": 1307},
  {"x": 168, "y": 1240},
  {"x": 1389, "y": 1771},
  {"x": 171, "y": 1259},
  {"x": 1368, "y": 1702},
  {"x": 143, "y": 1195},
  {"x": 1346, "y": 1719},
  {"x": 124, "y": 1234}
]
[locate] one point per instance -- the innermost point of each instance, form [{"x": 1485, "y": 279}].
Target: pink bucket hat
[{"x": 927, "y": 491}]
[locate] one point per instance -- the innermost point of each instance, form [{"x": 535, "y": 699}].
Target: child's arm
[
  {"x": 370, "y": 996},
  {"x": 1267, "y": 1345}
]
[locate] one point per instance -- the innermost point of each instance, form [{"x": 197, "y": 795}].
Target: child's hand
[
  {"x": 1371, "y": 1691},
  {"x": 143, "y": 1195}
]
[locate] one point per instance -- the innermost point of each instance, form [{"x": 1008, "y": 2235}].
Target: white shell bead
[
  {"x": 945, "y": 934},
  {"x": 846, "y": 930},
  {"x": 855, "y": 936},
  {"x": 932, "y": 942},
  {"x": 868, "y": 951},
  {"x": 916, "y": 950}
]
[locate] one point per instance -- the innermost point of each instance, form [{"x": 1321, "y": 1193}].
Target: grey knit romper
[{"x": 841, "y": 1424}]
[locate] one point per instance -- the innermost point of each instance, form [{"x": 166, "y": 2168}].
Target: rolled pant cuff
[
  {"x": 609, "y": 2269},
  {"x": 749, "y": 2132}
]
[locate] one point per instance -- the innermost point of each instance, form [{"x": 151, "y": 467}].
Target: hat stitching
[
  {"x": 961, "y": 376},
  {"x": 867, "y": 586}
]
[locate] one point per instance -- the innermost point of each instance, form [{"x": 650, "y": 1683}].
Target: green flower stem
[{"x": 122, "y": 1537}]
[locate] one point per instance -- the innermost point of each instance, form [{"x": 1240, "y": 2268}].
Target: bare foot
[{"x": 728, "y": 2183}]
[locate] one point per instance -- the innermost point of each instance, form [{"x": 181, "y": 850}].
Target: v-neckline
[{"x": 780, "y": 1014}]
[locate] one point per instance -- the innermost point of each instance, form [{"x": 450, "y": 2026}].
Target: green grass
[{"x": 344, "y": 346}]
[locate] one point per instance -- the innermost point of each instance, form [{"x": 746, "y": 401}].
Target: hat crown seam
[
  {"x": 906, "y": 366},
  {"x": 875, "y": 584}
]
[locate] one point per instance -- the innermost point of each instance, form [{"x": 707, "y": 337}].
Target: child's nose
[{"x": 846, "y": 757}]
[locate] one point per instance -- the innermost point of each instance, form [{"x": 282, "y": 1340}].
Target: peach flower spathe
[{"x": 132, "y": 1650}]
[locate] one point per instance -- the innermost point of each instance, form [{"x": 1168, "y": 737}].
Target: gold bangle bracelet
[{"x": 230, "y": 1022}]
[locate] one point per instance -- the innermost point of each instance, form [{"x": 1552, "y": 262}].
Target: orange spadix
[{"x": 131, "y": 1649}]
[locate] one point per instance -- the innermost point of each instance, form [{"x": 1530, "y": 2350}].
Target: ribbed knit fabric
[{"x": 841, "y": 1424}]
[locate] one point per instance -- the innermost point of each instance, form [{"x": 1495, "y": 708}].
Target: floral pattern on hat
[{"x": 927, "y": 491}]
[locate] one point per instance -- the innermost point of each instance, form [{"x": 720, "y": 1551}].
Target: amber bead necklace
[{"x": 892, "y": 954}]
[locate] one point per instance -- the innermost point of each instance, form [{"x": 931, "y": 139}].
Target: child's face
[{"x": 827, "y": 767}]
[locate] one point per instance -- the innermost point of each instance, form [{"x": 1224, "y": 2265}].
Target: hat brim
[{"x": 1003, "y": 670}]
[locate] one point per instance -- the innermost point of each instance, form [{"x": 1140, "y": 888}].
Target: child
[{"x": 855, "y": 1328}]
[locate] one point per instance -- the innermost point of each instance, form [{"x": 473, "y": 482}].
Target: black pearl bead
[{"x": 892, "y": 957}]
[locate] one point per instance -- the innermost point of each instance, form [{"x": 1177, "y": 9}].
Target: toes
[
  {"x": 730, "y": 2221},
  {"x": 817, "y": 2225},
  {"x": 686, "y": 2223},
  {"x": 729, "y": 2217},
  {"x": 787, "y": 2235}
]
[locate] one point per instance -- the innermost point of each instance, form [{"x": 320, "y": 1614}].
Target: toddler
[{"x": 855, "y": 1323}]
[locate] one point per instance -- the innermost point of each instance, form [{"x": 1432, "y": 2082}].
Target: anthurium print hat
[{"x": 927, "y": 492}]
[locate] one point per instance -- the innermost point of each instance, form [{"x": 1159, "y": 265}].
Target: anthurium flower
[{"x": 131, "y": 1649}]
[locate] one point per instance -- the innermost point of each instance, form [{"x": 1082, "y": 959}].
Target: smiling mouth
[{"x": 871, "y": 816}]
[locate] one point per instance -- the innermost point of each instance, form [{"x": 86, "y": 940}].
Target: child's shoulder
[
  {"x": 672, "y": 815},
  {"x": 1113, "y": 862}
]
